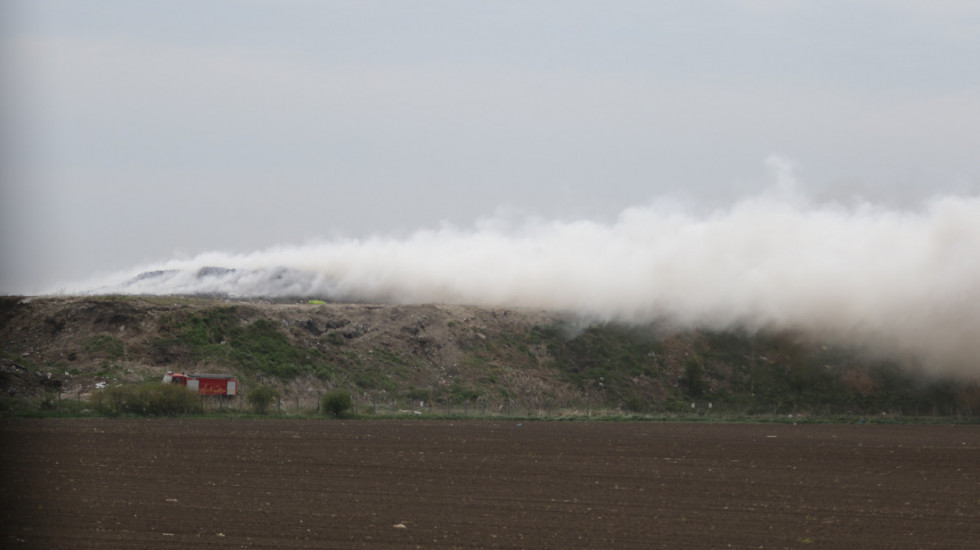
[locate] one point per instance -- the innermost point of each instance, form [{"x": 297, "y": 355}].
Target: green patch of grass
[
  {"x": 372, "y": 377},
  {"x": 460, "y": 393},
  {"x": 222, "y": 335},
  {"x": 104, "y": 345},
  {"x": 109, "y": 370},
  {"x": 20, "y": 360},
  {"x": 260, "y": 347},
  {"x": 380, "y": 369},
  {"x": 473, "y": 361},
  {"x": 608, "y": 354},
  {"x": 387, "y": 357}
]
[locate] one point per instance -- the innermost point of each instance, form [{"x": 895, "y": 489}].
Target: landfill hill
[{"x": 457, "y": 355}]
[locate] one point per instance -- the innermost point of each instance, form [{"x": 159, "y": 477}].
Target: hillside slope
[{"x": 499, "y": 359}]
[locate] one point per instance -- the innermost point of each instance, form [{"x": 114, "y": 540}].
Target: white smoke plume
[{"x": 903, "y": 282}]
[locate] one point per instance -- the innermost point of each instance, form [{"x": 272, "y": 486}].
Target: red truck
[{"x": 224, "y": 385}]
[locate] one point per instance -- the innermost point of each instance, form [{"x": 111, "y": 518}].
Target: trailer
[{"x": 224, "y": 385}]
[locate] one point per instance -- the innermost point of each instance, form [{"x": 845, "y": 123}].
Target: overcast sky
[{"x": 137, "y": 132}]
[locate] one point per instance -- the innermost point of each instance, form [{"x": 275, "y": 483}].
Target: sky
[{"x": 140, "y": 136}]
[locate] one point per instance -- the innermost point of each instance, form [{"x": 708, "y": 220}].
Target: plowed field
[{"x": 478, "y": 484}]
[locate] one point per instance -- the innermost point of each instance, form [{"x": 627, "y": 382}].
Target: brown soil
[{"x": 191, "y": 483}]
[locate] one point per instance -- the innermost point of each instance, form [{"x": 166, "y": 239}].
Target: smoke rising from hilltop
[{"x": 905, "y": 282}]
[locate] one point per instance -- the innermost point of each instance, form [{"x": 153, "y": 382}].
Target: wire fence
[{"x": 308, "y": 403}]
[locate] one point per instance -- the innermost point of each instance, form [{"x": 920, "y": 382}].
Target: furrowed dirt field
[{"x": 477, "y": 484}]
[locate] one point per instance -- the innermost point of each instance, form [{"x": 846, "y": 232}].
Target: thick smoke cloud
[{"x": 901, "y": 282}]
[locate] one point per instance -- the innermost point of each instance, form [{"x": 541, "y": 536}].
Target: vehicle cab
[{"x": 174, "y": 378}]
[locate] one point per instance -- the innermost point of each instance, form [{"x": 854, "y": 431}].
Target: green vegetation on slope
[
  {"x": 394, "y": 357},
  {"x": 758, "y": 374},
  {"x": 226, "y": 336},
  {"x": 606, "y": 355}
]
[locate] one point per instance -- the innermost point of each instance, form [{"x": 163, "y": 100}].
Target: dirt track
[{"x": 357, "y": 484}]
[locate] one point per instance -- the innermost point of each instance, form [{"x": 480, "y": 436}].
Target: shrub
[
  {"x": 337, "y": 403},
  {"x": 335, "y": 338},
  {"x": 693, "y": 380},
  {"x": 260, "y": 398},
  {"x": 635, "y": 403},
  {"x": 150, "y": 399}
]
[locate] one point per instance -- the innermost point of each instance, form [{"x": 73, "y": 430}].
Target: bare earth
[{"x": 192, "y": 483}]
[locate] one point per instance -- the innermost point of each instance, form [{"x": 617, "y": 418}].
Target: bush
[
  {"x": 48, "y": 401},
  {"x": 150, "y": 399},
  {"x": 260, "y": 398},
  {"x": 635, "y": 403},
  {"x": 693, "y": 380},
  {"x": 337, "y": 403}
]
